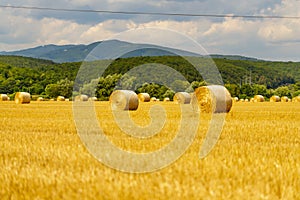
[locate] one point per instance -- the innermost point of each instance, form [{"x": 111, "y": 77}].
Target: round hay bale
[
  {"x": 4, "y": 97},
  {"x": 246, "y": 100},
  {"x": 289, "y": 100},
  {"x": 93, "y": 99},
  {"x": 213, "y": 98},
  {"x": 166, "y": 99},
  {"x": 235, "y": 99},
  {"x": 40, "y": 99},
  {"x": 296, "y": 99},
  {"x": 22, "y": 97},
  {"x": 182, "y": 98},
  {"x": 67, "y": 99},
  {"x": 153, "y": 99},
  {"x": 60, "y": 98},
  {"x": 275, "y": 98},
  {"x": 144, "y": 97},
  {"x": 252, "y": 100},
  {"x": 124, "y": 100},
  {"x": 284, "y": 99},
  {"x": 242, "y": 100},
  {"x": 259, "y": 98},
  {"x": 82, "y": 97}
]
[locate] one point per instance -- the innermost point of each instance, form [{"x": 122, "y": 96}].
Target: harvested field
[{"x": 257, "y": 156}]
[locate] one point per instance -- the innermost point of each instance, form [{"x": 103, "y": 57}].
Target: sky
[{"x": 269, "y": 39}]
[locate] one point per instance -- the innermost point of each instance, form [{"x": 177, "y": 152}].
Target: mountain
[
  {"x": 56, "y": 53},
  {"x": 110, "y": 49},
  {"x": 234, "y": 57}
]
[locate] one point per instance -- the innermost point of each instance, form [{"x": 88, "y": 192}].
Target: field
[{"x": 257, "y": 156}]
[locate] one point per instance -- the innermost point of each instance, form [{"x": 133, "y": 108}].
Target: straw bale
[
  {"x": 22, "y": 98},
  {"x": 182, "y": 98},
  {"x": 4, "y": 97},
  {"x": 284, "y": 99},
  {"x": 259, "y": 98},
  {"x": 275, "y": 98},
  {"x": 144, "y": 97},
  {"x": 60, "y": 98},
  {"x": 124, "y": 100},
  {"x": 213, "y": 98}
]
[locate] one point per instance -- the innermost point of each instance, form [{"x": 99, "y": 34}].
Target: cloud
[
  {"x": 274, "y": 32},
  {"x": 104, "y": 30},
  {"x": 267, "y": 38},
  {"x": 282, "y": 30}
]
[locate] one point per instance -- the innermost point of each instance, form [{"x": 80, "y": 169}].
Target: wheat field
[{"x": 257, "y": 156}]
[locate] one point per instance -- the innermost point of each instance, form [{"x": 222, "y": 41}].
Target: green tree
[
  {"x": 126, "y": 82},
  {"x": 194, "y": 85},
  {"x": 155, "y": 90},
  {"x": 259, "y": 89},
  {"x": 169, "y": 93},
  {"x": 180, "y": 85},
  {"x": 52, "y": 90},
  {"x": 283, "y": 91},
  {"x": 66, "y": 87},
  {"x": 90, "y": 88},
  {"x": 63, "y": 87},
  {"x": 296, "y": 93},
  {"x": 106, "y": 86},
  {"x": 233, "y": 89},
  {"x": 246, "y": 91}
]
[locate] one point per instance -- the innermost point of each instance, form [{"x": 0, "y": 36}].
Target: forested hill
[{"x": 29, "y": 74}]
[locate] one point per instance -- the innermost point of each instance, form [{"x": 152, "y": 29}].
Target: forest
[{"x": 160, "y": 76}]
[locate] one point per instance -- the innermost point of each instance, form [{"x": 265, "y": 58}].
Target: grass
[{"x": 257, "y": 156}]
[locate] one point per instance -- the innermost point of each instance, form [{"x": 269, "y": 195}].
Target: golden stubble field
[{"x": 257, "y": 156}]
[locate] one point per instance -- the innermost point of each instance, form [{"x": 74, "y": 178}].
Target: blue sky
[{"x": 272, "y": 39}]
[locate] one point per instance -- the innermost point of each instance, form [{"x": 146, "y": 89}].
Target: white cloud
[
  {"x": 274, "y": 32},
  {"x": 282, "y": 30},
  {"x": 103, "y": 30},
  {"x": 59, "y": 31}
]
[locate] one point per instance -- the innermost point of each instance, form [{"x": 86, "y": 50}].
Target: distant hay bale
[
  {"x": 153, "y": 99},
  {"x": 182, "y": 98},
  {"x": 296, "y": 99},
  {"x": 22, "y": 97},
  {"x": 289, "y": 100},
  {"x": 67, "y": 99},
  {"x": 284, "y": 99},
  {"x": 259, "y": 98},
  {"x": 82, "y": 97},
  {"x": 144, "y": 97},
  {"x": 275, "y": 98},
  {"x": 166, "y": 99},
  {"x": 52, "y": 100},
  {"x": 246, "y": 100},
  {"x": 93, "y": 99},
  {"x": 60, "y": 98},
  {"x": 213, "y": 98},
  {"x": 235, "y": 99},
  {"x": 4, "y": 97},
  {"x": 242, "y": 100},
  {"x": 124, "y": 100},
  {"x": 252, "y": 100},
  {"x": 40, "y": 99}
]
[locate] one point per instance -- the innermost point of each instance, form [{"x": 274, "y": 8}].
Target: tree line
[{"x": 243, "y": 78}]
